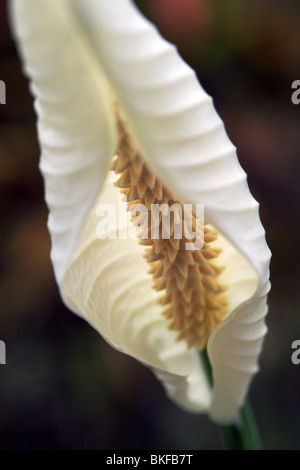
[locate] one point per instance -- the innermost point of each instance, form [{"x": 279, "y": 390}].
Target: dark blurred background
[{"x": 63, "y": 387}]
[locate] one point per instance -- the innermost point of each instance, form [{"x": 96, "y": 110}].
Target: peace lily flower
[{"x": 78, "y": 54}]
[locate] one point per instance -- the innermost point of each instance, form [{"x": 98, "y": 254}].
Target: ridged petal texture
[
  {"x": 75, "y": 125},
  {"x": 183, "y": 141}
]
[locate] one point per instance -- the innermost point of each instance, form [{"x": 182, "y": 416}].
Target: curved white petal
[
  {"x": 235, "y": 344},
  {"x": 74, "y": 124},
  {"x": 107, "y": 284},
  {"x": 183, "y": 140}
]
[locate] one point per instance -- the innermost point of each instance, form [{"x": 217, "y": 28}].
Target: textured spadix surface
[{"x": 65, "y": 46}]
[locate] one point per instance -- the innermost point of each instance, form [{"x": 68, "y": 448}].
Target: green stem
[{"x": 244, "y": 434}]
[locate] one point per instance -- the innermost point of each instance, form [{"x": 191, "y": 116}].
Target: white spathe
[{"x": 74, "y": 51}]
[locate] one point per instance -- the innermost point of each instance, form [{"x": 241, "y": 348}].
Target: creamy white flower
[{"x": 74, "y": 52}]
